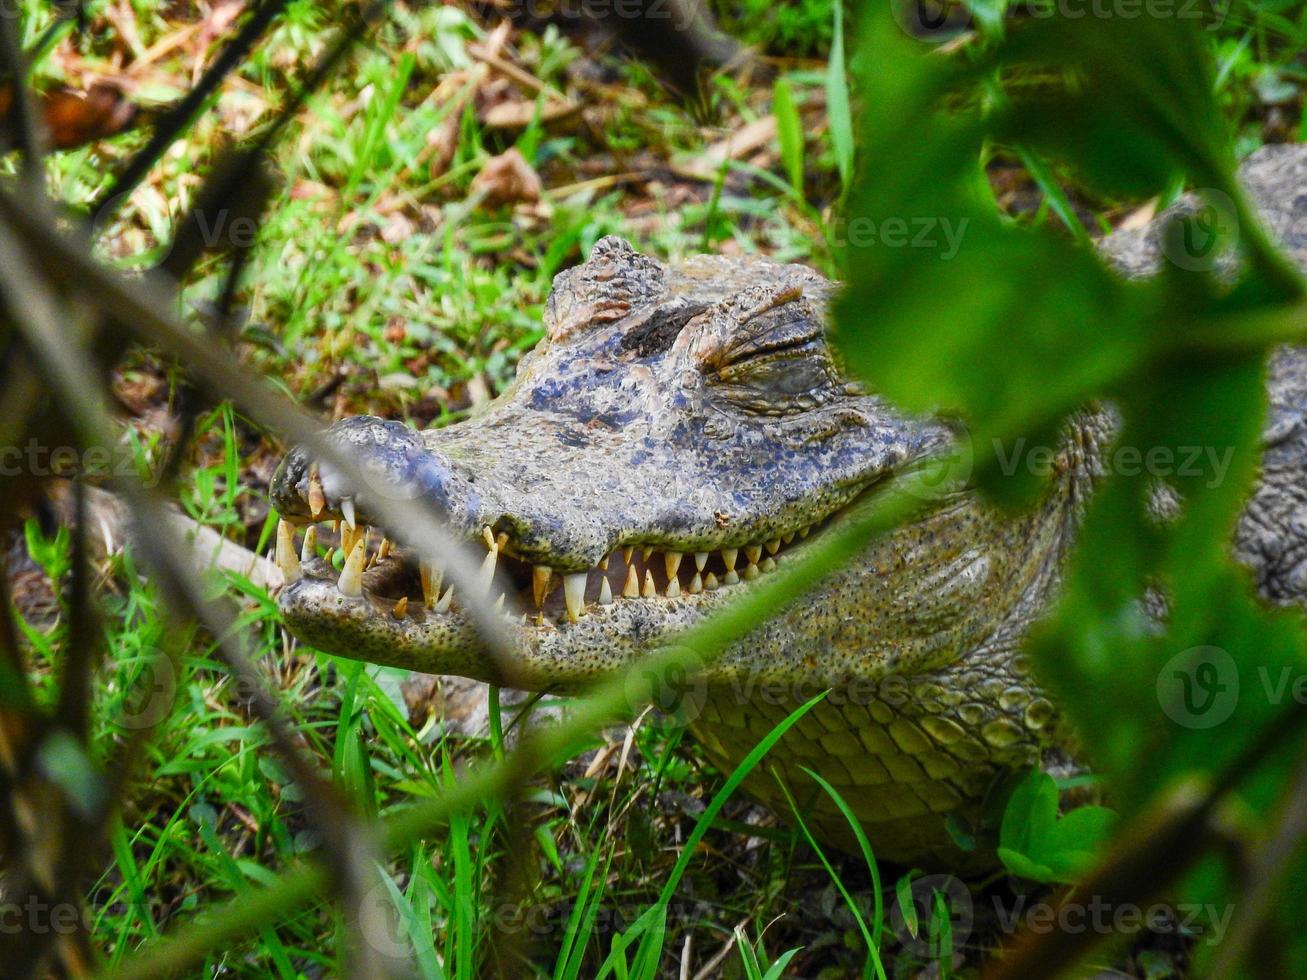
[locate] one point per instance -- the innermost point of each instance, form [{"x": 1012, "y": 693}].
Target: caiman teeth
[
  {"x": 728, "y": 559},
  {"x": 351, "y": 535},
  {"x": 431, "y": 577},
  {"x": 486, "y": 573},
  {"x": 287, "y": 560},
  {"x": 362, "y": 550},
  {"x": 445, "y": 601},
  {"x": 317, "y": 499},
  {"x": 309, "y": 549},
  {"x": 574, "y": 594},
  {"x": 541, "y": 576},
  {"x": 351, "y": 576}
]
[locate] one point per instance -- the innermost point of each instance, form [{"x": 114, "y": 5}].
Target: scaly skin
[{"x": 697, "y": 409}]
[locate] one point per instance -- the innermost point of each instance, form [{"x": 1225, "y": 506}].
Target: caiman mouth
[
  {"x": 675, "y": 434},
  {"x": 374, "y": 569}
]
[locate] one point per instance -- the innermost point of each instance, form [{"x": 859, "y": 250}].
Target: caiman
[{"x": 680, "y": 430}]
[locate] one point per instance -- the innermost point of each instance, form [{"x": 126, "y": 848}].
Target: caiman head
[{"x": 677, "y": 432}]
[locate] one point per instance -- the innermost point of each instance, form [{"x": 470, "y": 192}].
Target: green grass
[{"x": 362, "y": 238}]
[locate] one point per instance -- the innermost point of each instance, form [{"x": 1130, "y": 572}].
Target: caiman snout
[{"x": 395, "y": 465}]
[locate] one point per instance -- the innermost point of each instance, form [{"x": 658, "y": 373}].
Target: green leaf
[
  {"x": 1034, "y": 843},
  {"x": 777, "y": 969}
]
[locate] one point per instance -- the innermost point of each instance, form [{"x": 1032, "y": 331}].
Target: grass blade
[
  {"x": 789, "y": 131},
  {"x": 651, "y": 940},
  {"x": 873, "y": 951},
  {"x": 864, "y": 846},
  {"x": 580, "y": 923},
  {"x": 838, "y": 112}
]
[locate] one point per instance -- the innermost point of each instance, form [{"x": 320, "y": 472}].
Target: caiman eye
[{"x": 764, "y": 348}]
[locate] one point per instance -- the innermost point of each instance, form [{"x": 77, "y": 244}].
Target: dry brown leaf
[
  {"x": 74, "y": 119},
  {"x": 507, "y": 179},
  {"x": 1140, "y": 217},
  {"x": 220, "y": 18},
  {"x": 748, "y": 139},
  {"x": 517, "y": 114}
]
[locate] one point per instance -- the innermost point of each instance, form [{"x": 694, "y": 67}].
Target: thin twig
[
  {"x": 1272, "y": 863},
  {"x": 348, "y": 842},
  {"x": 25, "y": 122}
]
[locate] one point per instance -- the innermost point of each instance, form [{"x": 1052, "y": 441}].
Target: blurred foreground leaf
[{"x": 1018, "y": 328}]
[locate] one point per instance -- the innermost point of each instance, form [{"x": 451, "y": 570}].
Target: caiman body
[{"x": 678, "y": 432}]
